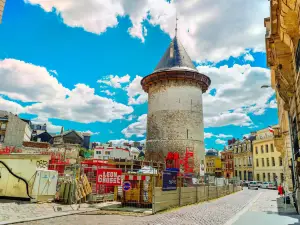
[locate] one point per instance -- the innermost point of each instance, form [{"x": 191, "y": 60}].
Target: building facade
[
  {"x": 106, "y": 152},
  {"x": 268, "y": 163},
  {"x": 283, "y": 58},
  {"x": 227, "y": 163},
  {"x": 13, "y": 130},
  {"x": 243, "y": 158},
  {"x": 2, "y": 4},
  {"x": 175, "y": 109},
  {"x": 213, "y": 163}
]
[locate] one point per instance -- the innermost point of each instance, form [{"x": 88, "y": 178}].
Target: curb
[{"x": 46, "y": 217}]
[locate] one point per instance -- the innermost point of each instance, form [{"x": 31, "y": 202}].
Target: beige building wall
[
  {"x": 268, "y": 162},
  {"x": 2, "y": 3},
  {"x": 16, "y": 132}
]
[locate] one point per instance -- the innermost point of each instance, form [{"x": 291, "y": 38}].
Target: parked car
[
  {"x": 265, "y": 185},
  {"x": 253, "y": 185},
  {"x": 272, "y": 186},
  {"x": 259, "y": 183}
]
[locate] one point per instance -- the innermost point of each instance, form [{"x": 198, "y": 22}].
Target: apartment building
[
  {"x": 227, "y": 162},
  {"x": 213, "y": 163},
  {"x": 268, "y": 162},
  {"x": 243, "y": 157}
]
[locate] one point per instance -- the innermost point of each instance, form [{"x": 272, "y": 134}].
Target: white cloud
[
  {"x": 28, "y": 83},
  {"x": 220, "y": 142},
  {"x": 107, "y": 92},
  {"x": 238, "y": 93},
  {"x": 90, "y": 132},
  {"x": 82, "y": 105},
  {"x": 120, "y": 142},
  {"x": 210, "y": 30},
  {"x": 273, "y": 104},
  {"x": 10, "y": 106},
  {"x": 224, "y": 136},
  {"x": 248, "y": 57},
  {"x": 136, "y": 129},
  {"x": 115, "y": 81},
  {"x": 224, "y": 119},
  {"x": 208, "y": 135},
  {"x": 93, "y": 15},
  {"x": 54, "y": 72},
  {"x": 135, "y": 92}
]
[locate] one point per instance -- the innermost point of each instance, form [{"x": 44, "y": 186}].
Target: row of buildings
[
  {"x": 23, "y": 134},
  {"x": 282, "y": 40},
  {"x": 252, "y": 158}
]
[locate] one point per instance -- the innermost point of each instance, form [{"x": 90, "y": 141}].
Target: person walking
[{"x": 280, "y": 190}]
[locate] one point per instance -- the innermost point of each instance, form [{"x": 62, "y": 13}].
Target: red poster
[{"x": 109, "y": 176}]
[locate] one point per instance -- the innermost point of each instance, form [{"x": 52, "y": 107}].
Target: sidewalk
[
  {"x": 19, "y": 211},
  {"x": 268, "y": 208}
]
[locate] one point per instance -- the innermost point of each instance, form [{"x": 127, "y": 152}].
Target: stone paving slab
[
  {"x": 215, "y": 212},
  {"x": 16, "y": 211}
]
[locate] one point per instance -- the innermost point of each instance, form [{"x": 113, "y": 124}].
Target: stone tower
[{"x": 175, "y": 111}]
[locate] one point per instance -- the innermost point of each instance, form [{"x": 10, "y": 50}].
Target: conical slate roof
[{"x": 175, "y": 58}]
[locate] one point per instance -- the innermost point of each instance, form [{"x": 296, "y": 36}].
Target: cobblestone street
[{"x": 214, "y": 212}]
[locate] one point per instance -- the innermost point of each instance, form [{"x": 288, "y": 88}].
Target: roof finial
[{"x": 176, "y": 25}]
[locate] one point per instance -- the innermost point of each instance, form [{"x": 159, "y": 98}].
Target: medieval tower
[{"x": 175, "y": 110}]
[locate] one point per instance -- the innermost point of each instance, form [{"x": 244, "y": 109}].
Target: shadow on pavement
[{"x": 287, "y": 210}]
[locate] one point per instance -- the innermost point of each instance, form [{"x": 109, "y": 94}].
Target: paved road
[
  {"x": 267, "y": 208},
  {"x": 216, "y": 212}
]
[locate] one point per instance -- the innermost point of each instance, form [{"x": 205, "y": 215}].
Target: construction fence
[{"x": 182, "y": 196}]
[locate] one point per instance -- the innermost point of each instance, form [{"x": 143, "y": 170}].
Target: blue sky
[{"x": 65, "y": 67}]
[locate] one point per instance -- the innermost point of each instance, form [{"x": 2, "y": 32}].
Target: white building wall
[
  {"x": 175, "y": 119},
  {"x": 110, "y": 152}
]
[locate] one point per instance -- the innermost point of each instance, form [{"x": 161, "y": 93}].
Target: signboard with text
[
  {"x": 112, "y": 177},
  {"x": 169, "y": 181}
]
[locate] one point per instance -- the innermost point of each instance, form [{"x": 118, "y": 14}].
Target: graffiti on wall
[{"x": 42, "y": 164}]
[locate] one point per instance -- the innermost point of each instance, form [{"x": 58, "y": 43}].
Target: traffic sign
[{"x": 126, "y": 186}]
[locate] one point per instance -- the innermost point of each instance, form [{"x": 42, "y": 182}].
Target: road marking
[{"x": 245, "y": 209}]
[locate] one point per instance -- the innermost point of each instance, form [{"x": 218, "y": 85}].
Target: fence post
[
  {"x": 197, "y": 193},
  {"x": 153, "y": 194},
  {"x": 207, "y": 192},
  {"x": 179, "y": 192}
]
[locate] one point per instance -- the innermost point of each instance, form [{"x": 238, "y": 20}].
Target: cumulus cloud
[
  {"x": 220, "y": 142},
  {"x": 224, "y": 136},
  {"x": 201, "y": 23},
  {"x": 90, "y": 132},
  {"x": 136, "y": 94},
  {"x": 29, "y": 83},
  {"x": 137, "y": 129},
  {"x": 115, "y": 81},
  {"x": 82, "y": 105},
  {"x": 120, "y": 142},
  {"x": 107, "y": 92},
  {"x": 11, "y": 106},
  {"x": 248, "y": 57},
  {"x": 238, "y": 93},
  {"x": 210, "y": 135}
]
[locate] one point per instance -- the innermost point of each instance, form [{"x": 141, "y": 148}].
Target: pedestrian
[{"x": 280, "y": 190}]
